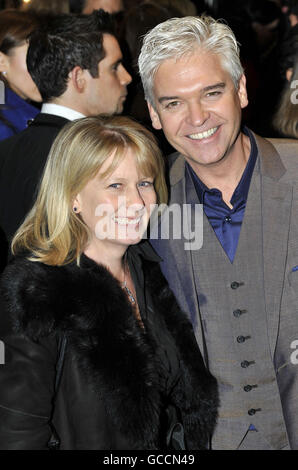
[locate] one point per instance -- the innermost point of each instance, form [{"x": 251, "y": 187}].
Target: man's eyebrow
[
  {"x": 167, "y": 98},
  {"x": 215, "y": 86}
]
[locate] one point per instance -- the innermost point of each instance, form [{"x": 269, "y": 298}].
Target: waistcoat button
[
  {"x": 248, "y": 388},
  {"x": 253, "y": 411},
  {"x": 238, "y": 312},
  {"x": 235, "y": 284},
  {"x": 241, "y": 339},
  {"x": 245, "y": 364}
]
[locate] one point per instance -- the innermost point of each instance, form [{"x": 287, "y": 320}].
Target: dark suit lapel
[{"x": 276, "y": 199}]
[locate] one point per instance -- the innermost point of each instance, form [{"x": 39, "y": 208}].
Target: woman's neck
[{"x": 110, "y": 255}]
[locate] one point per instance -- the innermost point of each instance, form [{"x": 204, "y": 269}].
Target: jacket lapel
[
  {"x": 276, "y": 200},
  {"x": 183, "y": 257}
]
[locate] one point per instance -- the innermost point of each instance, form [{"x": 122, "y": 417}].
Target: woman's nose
[{"x": 135, "y": 196}]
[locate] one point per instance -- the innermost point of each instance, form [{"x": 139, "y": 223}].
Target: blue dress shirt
[
  {"x": 17, "y": 112},
  {"x": 226, "y": 222}
]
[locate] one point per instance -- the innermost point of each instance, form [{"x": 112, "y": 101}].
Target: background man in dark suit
[
  {"x": 77, "y": 66},
  {"x": 241, "y": 287}
]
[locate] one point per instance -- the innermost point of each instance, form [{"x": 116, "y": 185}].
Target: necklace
[
  {"x": 130, "y": 295},
  {"x": 124, "y": 284}
]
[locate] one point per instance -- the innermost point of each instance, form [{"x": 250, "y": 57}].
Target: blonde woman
[{"x": 98, "y": 353}]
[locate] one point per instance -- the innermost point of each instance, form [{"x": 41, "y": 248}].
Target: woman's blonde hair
[
  {"x": 52, "y": 232},
  {"x": 285, "y": 120}
]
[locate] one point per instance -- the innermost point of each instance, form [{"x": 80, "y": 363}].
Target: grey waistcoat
[{"x": 233, "y": 316}]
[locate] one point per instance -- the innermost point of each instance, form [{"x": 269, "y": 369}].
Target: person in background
[
  {"x": 269, "y": 26},
  {"x": 77, "y": 66},
  {"x": 290, "y": 9},
  {"x": 16, "y": 85},
  {"x": 285, "y": 120},
  {"x": 137, "y": 21},
  {"x": 132, "y": 376},
  {"x": 114, "y": 7},
  {"x": 47, "y": 6},
  {"x": 238, "y": 280},
  {"x": 185, "y": 8},
  {"x": 88, "y": 6}
]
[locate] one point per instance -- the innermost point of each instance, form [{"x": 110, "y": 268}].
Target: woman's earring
[
  {"x": 4, "y": 73},
  {"x": 75, "y": 209}
]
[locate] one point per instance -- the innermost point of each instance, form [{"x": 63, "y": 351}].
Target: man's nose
[
  {"x": 197, "y": 114},
  {"x": 125, "y": 77}
]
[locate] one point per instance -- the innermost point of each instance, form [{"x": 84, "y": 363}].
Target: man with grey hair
[{"x": 241, "y": 287}]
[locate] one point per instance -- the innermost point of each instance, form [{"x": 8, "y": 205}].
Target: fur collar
[{"x": 115, "y": 354}]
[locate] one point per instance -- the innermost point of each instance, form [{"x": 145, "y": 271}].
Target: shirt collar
[
  {"x": 62, "y": 111},
  {"x": 242, "y": 188}
]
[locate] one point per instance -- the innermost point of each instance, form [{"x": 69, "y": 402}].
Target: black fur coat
[{"x": 122, "y": 387}]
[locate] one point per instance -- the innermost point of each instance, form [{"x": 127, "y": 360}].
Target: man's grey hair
[{"x": 178, "y": 37}]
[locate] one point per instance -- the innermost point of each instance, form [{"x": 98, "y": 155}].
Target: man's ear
[
  {"x": 4, "y": 62},
  {"x": 156, "y": 124},
  {"x": 78, "y": 78},
  {"x": 242, "y": 92}
]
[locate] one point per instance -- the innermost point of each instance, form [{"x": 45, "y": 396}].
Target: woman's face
[
  {"x": 117, "y": 208},
  {"x": 17, "y": 75}
]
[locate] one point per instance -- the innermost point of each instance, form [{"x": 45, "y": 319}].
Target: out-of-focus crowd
[{"x": 266, "y": 30}]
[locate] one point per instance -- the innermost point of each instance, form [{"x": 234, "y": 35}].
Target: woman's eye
[
  {"x": 115, "y": 185},
  {"x": 146, "y": 184}
]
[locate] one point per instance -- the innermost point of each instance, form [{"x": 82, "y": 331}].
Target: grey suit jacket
[{"x": 278, "y": 164}]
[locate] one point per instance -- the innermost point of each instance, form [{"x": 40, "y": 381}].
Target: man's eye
[
  {"x": 213, "y": 94},
  {"x": 115, "y": 67},
  {"x": 172, "y": 104}
]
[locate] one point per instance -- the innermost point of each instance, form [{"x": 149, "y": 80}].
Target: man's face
[
  {"x": 106, "y": 94},
  {"x": 111, "y": 6},
  {"x": 198, "y": 107}
]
